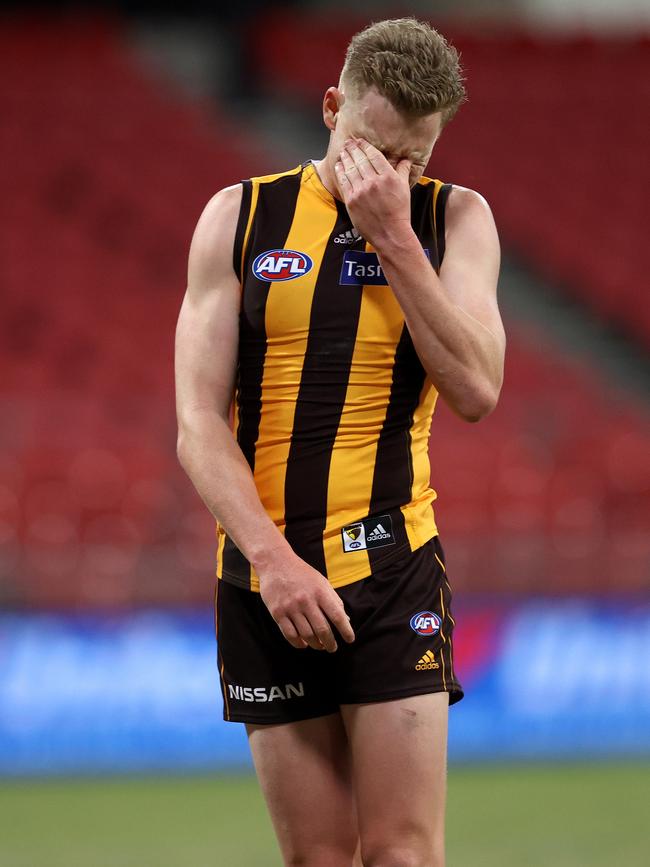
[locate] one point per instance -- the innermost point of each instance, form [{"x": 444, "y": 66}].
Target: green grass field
[{"x": 507, "y": 816}]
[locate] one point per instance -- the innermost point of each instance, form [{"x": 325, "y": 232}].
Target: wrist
[
  {"x": 398, "y": 239},
  {"x": 271, "y": 555}
]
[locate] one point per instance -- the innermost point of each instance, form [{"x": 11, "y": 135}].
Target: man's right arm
[{"x": 299, "y": 598}]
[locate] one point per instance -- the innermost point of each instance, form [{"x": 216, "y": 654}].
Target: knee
[
  {"x": 396, "y": 855},
  {"x": 320, "y": 857}
]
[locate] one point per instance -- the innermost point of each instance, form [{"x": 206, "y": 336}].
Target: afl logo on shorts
[
  {"x": 426, "y": 623},
  {"x": 281, "y": 265}
]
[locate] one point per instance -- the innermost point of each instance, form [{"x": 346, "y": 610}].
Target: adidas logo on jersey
[
  {"x": 378, "y": 533},
  {"x": 348, "y": 237},
  {"x": 427, "y": 662}
]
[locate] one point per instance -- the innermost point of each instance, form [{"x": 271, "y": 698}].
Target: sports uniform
[{"x": 332, "y": 412}]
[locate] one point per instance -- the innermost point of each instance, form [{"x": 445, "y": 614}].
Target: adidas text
[
  {"x": 348, "y": 237},
  {"x": 378, "y": 533}
]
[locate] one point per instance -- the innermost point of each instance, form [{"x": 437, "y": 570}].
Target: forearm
[
  {"x": 222, "y": 477},
  {"x": 458, "y": 352}
]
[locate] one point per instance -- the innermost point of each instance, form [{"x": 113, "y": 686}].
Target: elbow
[
  {"x": 180, "y": 448},
  {"x": 479, "y": 405},
  {"x": 477, "y": 415}
]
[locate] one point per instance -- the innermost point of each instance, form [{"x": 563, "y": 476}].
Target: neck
[{"x": 326, "y": 175}]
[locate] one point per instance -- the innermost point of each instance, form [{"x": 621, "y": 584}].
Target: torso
[{"x": 333, "y": 407}]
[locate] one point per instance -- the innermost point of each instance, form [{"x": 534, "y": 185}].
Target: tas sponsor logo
[
  {"x": 363, "y": 269},
  {"x": 368, "y": 533},
  {"x": 280, "y": 265},
  {"x": 264, "y": 694},
  {"x": 426, "y": 623},
  {"x": 427, "y": 662}
]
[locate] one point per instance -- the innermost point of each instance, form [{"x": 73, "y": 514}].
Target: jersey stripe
[
  {"x": 442, "y": 194},
  {"x": 419, "y": 515},
  {"x": 332, "y": 333},
  {"x": 422, "y": 198},
  {"x": 419, "y": 520},
  {"x": 243, "y": 223},
  {"x": 289, "y": 307},
  {"x": 396, "y": 465},
  {"x": 278, "y": 199},
  {"x": 246, "y": 246},
  {"x": 352, "y": 468},
  {"x": 393, "y": 476}
]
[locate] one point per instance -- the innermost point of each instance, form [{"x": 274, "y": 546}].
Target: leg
[
  {"x": 304, "y": 771},
  {"x": 399, "y": 756}
]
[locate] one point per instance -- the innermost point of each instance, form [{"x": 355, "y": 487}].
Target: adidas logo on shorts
[
  {"x": 427, "y": 662},
  {"x": 348, "y": 237}
]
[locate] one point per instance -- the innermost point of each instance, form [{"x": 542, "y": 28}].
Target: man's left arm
[{"x": 453, "y": 319}]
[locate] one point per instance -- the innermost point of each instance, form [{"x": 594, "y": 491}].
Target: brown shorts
[{"x": 403, "y": 626}]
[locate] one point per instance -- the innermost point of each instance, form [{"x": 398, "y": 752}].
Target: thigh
[
  {"x": 399, "y": 755},
  {"x": 304, "y": 772},
  {"x": 263, "y": 678},
  {"x": 403, "y": 624}
]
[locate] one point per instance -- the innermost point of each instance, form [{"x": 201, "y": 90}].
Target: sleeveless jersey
[{"x": 332, "y": 406}]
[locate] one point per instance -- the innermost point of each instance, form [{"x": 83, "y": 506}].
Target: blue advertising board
[
  {"x": 103, "y": 694},
  {"x": 563, "y": 679},
  {"x": 543, "y": 679}
]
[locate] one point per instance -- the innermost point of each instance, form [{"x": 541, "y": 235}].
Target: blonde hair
[{"x": 409, "y": 63}]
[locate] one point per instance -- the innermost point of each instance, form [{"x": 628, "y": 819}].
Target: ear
[{"x": 332, "y": 103}]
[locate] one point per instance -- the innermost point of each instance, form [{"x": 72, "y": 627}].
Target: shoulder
[
  {"x": 214, "y": 235},
  {"x": 465, "y": 207},
  {"x": 221, "y": 210},
  {"x": 470, "y": 229},
  {"x": 279, "y": 176},
  {"x": 459, "y": 201},
  {"x": 217, "y": 224}
]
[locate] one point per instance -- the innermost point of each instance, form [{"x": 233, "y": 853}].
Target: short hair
[{"x": 410, "y": 64}]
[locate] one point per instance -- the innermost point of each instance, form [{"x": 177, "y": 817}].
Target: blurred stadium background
[{"x": 119, "y": 121}]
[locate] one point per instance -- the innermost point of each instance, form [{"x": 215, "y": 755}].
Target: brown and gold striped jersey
[{"x": 332, "y": 405}]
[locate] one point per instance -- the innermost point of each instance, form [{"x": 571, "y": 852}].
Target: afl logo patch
[
  {"x": 426, "y": 623},
  {"x": 281, "y": 265}
]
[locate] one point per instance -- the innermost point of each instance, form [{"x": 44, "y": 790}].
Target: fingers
[
  {"x": 374, "y": 156},
  {"x": 291, "y": 633},
  {"x": 306, "y": 631},
  {"x": 403, "y": 169},
  {"x": 354, "y": 159},
  {"x": 343, "y": 180},
  {"x": 335, "y": 612},
  {"x": 311, "y": 627},
  {"x": 306, "y": 609},
  {"x": 355, "y": 165},
  {"x": 321, "y": 637}
]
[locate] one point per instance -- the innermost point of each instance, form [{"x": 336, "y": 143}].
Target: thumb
[{"x": 403, "y": 169}]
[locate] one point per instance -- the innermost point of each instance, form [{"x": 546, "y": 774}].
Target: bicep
[
  {"x": 208, "y": 323},
  {"x": 470, "y": 268}
]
